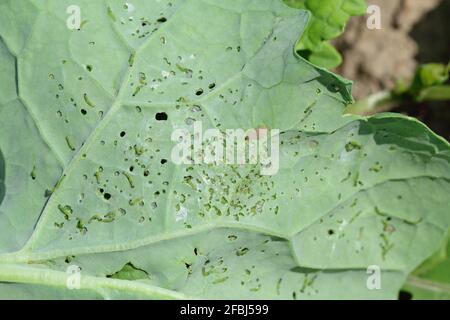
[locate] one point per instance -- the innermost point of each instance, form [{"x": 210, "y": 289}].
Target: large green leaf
[{"x": 87, "y": 183}]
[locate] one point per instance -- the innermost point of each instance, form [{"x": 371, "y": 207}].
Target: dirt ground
[{"x": 413, "y": 32}]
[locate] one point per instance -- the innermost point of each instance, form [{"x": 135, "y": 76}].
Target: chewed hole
[
  {"x": 199, "y": 92},
  {"x": 107, "y": 196},
  {"x": 161, "y": 116},
  {"x": 131, "y": 169},
  {"x": 162, "y": 20},
  {"x": 330, "y": 232},
  {"x": 122, "y": 134},
  {"x": 163, "y": 161},
  {"x": 83, "y": 112},
  {"x": 89, "y": 68},
  {"x": 212, "y": 86}
]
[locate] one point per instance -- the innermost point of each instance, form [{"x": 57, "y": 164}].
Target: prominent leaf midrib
[
  {"x": 24, "y": 256},
  {"x": 27, "y": 256},
  {"x": 15, "y": 273}
]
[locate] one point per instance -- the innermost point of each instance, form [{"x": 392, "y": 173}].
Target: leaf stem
[
  {"x": 377, "y": 102},
  {"x": 16, "y": 273},
  {"x": 428, "y": 284}
]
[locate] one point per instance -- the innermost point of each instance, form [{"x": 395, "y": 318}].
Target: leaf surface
[{"x": 88, "y": 180}]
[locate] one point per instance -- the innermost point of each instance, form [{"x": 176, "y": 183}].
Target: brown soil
[{"x": 413, "y": 32}]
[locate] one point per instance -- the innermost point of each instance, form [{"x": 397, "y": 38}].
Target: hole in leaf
[
  {"x": 129, "y": 272},
  {"x": 161, "y": 116}
]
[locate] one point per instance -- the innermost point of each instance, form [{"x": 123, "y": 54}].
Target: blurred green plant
[
  {"x": 432, "y": 279},
  {"x": 328, "y": 20},
  {"x": 430, "y": 83}
]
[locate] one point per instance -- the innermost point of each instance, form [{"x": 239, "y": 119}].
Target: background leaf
[
  {"x": 327, "y": 22},
  {"x": 432, "y": 280}
]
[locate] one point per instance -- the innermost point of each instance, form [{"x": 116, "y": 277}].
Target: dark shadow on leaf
[
  {"x": 335, "y": 85},
  {"x": 404, "y": 134}
]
